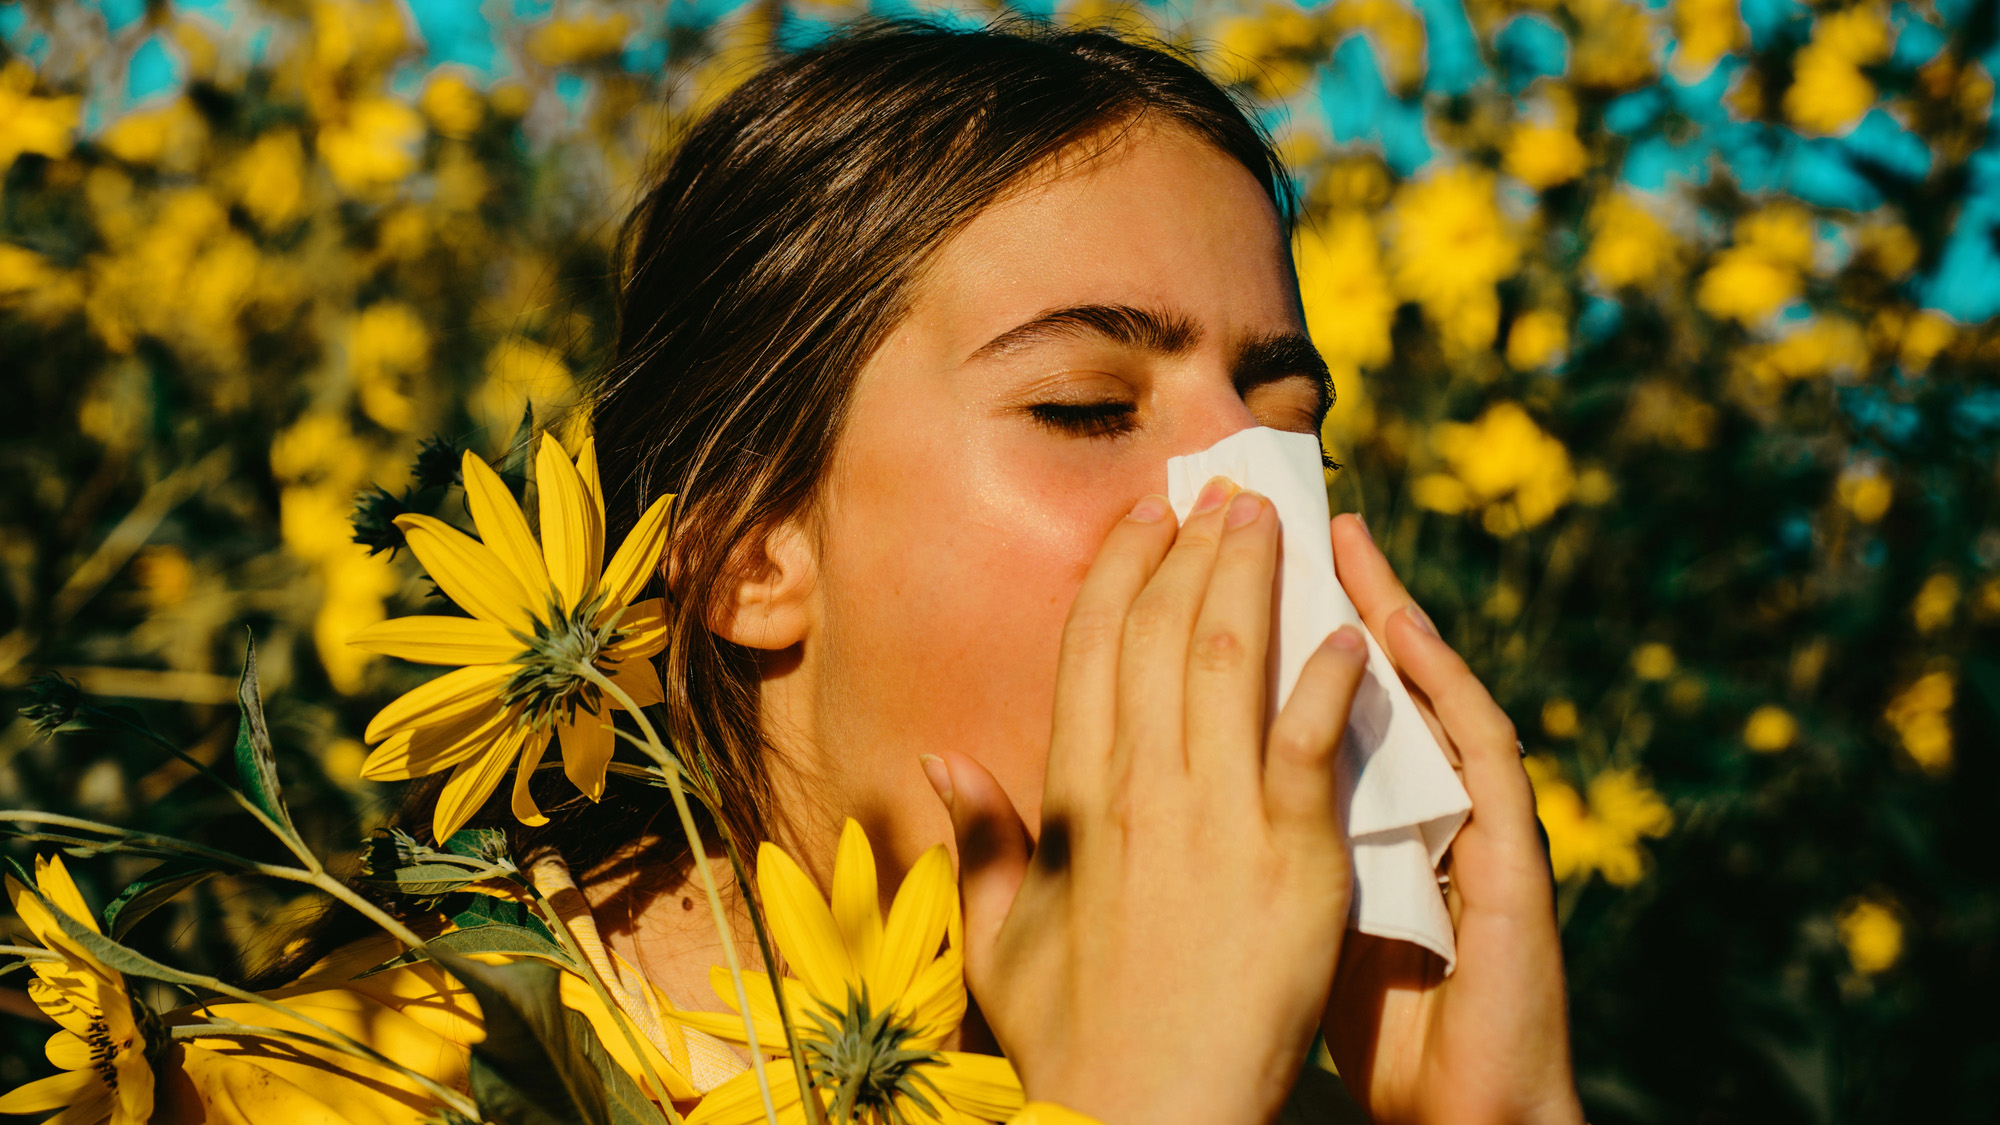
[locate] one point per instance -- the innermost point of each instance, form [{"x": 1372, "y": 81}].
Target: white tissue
[{"x": 1400, "y": 798}]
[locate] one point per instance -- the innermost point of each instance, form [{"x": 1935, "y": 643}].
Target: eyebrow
[{"x": 1262, "y": 360}]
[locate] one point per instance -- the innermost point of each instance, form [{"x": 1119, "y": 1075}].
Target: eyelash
[{"x": 1085, "y": 419}]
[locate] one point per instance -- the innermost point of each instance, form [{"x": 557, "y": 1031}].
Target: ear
[{"x": 772, "y": 582}]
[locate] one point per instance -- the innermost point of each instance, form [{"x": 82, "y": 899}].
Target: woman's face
[{"x": 1060, "y": 348}]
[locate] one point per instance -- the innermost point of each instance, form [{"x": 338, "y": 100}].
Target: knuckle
[
  {"x": 1217, "y": 650},
  {"x": 1090, "y": 629},
  {"x": 1292, "y": 743},
  {"x": 1150, "y": 619}
]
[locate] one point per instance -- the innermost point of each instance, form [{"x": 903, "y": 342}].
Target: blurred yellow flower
[
  {"x": 1829, "y": 92},
  {"x": 103, "y": 1044},
  {"x": 547, "y": 619},
  {"x": 452, "y": 104},
  {"x": 1396, "y": 31},
  {"x": 1450, "y": 246},
  {"x": 1889, "y": 246},
  {"x": 1986, "y": 603},
  {"x": 1614, "y": 43},
  {"x": 44, "y": 126},
  {"x": 1873, "y": 935},
  {"x": 388, "y": 347},
  {"x": 1762, "y": 271},
  {"x": 1924, "y": 335},
  {"x": 1348, "y": 304},
  {"x": 520, "y": 373},
  {"x": 1559, "y": 718},
  {"x": 1603, "y": 833},
  {"x": 171, "y": 136},
  {"x": 1815, "y": 347},
  {"x": 1864, "y": 491},
  {"x": 1538, "y": 338},
  {"x": 361, "y": 35},
  {"x": 270, "y": 178},
  {"x": 566, "y": 42},
  {"x": 1628, "y": 244},
  {"x": 1543, "y": 156},
  {"x": 1770, "y": 729},
  {"x": 1921, "y": 715},
  {"x": 1653, "y": 661},
  {"x": 372, "y": 145},
  {"x": 1502, "y": 463},
  {"x": 1272, "y": 50},
  {"x": 871, "y": 1000},
  {"x": 1704, "y": 31},
  {"x": 1936, "y": 603},
  {"x": 1662, "y": 412}
]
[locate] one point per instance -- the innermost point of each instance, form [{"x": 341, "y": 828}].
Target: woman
[{"x": 913, "y": 321}]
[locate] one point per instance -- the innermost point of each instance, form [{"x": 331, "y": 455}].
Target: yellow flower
[
  {"x": 1872, "y": 934},
  {"x": 102, "y": 1047},
  {"x": 1921, "y": 714},
  {"x": 566, "y": 42},
  {"x": 1936, "y": 602},
  {"x": 545, "y": 620},
  {"x": 372, "y": 145},
  {"x": 1770, "y": 729},
  {"x": 1601, "y": 834},
  {"x": 1502, "y": 462},
  {"x": 44, "y": 126},
  {"x": 1628, "y": 245},
  {"x": 1829, "y": 92},
  {"x": 452, "y": 104},
  {"x": 1451, "y": 246},
  {"x": 871, "y": 1001},
  {"x": 270, "y": 178},
  {"x": 1559, "y": 718},
  {"x": 1613, "y": 45},
  {"x": 1270, "y": 51},
  {"x": 1349, "y": 307},
  {"x": 1543, "y": 156},
  {"x": 1653, "y": 661},
  {"x": 1864, "y": 491},
  {"x": 1704, "y": 31},
  {"x": 1538, "y": 338}
]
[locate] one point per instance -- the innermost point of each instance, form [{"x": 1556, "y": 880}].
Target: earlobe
[{"x": 768, "y": 607}]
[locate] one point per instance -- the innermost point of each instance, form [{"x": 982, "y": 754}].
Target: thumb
[{"x": 993, "y": 849}]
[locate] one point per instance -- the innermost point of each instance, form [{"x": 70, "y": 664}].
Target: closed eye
[{"x": 1085, "y": 419}]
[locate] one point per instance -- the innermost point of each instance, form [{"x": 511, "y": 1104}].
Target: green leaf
[
  {"x": 518, "y": 941},
  {"x": 151, "y": 891},
  {"x": 422, "y": 880},
  {"x": 118, "y": 957},
  {"x": 256, "y": 763},
  {"x": 541, "y": 1063},
  {"x": 488, "y": 845}
]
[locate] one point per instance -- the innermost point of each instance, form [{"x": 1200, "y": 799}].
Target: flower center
[
  {"x": 861, "y": 1054},
  {"x": 548, "y": 679},
  {"x": 103, "y": 1053}
]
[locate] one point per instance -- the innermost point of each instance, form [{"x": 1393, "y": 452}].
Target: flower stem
[{"x": 658, "y": 751}]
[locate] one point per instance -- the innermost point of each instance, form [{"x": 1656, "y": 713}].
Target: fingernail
[
  {"x": 1246, "y": 507},
  {"x": 1363, "y": 521},
  {"x": 1349, "y": 638},
  {"x": 1149, "y": 509},
  {"x": 1421, "y": 619},
  {"x": 938, "y": 775},
  {"x": 1213, "y": 494}
]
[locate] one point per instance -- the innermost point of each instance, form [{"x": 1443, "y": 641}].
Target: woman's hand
[
  {"x": 1160, "y": 954},
  {"x": 1490, "y": 1043}
]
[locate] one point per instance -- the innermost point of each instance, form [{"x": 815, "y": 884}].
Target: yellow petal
[
  {"x": 803, "y": 927},
  {"x": 472, "y": 782},
  {"x": 984, "y": 1086},
  {"x": 763, "y": 1009},
  {"x": 642, "y": 631},
  {"x": 916, "y": 925},
  {"x": 639, "y": 556},
  {"x": 934, "y": 1004},
  {"x": 440, "y": 640},
  {"x": 739, "y": 1101},
  {"x": 572, "y": 533},
  {"x": 578, "y": 996},
  {"x": 857, "y": 908},
  {"x": 502, "y": 526},
  {"x": 67, "y": 1050},
  {"x": 525, "y": 809},
  {"x": 469, "y": 573},
  {"x": 135, "y": 1086},
  {"x": 586, "y": 471},
  {"x": 587, "y": 744},
  {"x": 640, "y": 680},
  {"x": 426, "y": 750},
  {"x": 450, "y": 698},
  {"x": 56, "y": 885},
  {"x": 54, "y": 1092}
]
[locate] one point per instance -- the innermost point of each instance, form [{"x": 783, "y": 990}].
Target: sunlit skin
[{"x": 987, "y": 472}]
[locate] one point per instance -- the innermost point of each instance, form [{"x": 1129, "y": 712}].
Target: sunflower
[
  {"x": 544, "y": 618},
  {"x": 871, "y": 1001},
  {"x": 104, "y": 1042}
]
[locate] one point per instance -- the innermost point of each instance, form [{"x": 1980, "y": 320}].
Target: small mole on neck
[{"x": 687, "y": 903}]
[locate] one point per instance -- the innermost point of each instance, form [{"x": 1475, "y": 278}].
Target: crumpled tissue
[{"x": 1400, "y": 798}]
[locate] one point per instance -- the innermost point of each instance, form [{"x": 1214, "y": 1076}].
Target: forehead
[{"x": 1149, "y": 215}]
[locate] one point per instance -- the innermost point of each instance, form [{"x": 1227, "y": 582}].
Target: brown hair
[{"x": 775, "y": 251}]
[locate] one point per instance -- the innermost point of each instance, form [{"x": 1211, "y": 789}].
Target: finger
[
  {"x": 1085, "y": 716},
  {"x": 993, "y": 850},
  {"x": 1503, "y": 830},
  {"x": 1152, "y": 661},
  {"x": 1300, "y": 792},
  {"x": 1366, "y": 575},
  {"x": 1226, "y": 668}
]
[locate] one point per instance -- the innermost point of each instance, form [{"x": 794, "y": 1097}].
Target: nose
[{"x": 1207, "y": 408}]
